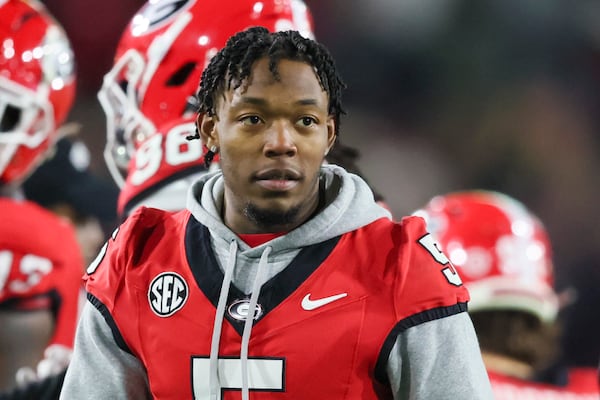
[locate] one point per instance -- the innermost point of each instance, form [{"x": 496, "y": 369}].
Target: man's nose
[{"x": 279, "y": 140}]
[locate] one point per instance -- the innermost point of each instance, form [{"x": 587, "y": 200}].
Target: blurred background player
[
  {"x": 504, "y": 257},
  {"x": 40, "y": 259},
  {"x": 65, "y": 184},
  {"x": 162, "y": 168},
  {"x": 148, "y": 95}
]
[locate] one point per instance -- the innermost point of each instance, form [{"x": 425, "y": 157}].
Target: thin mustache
[{"x": 278, "y": 174}]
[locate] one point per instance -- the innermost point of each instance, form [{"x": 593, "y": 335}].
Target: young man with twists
[{"x": 283, "y": 278}]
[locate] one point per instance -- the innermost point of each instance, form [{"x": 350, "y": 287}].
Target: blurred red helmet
[
  {"x": 163, "y": 167},
  {"x": 37, "y": 85},
  {"x": 500, "y": 249},
  {"x": 160, "y": 59}
]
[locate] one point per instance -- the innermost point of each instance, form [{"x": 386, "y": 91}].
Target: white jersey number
[
  {"x": 438, "y": 255},
  {"x": 177, "y": 150},
  {"x": 264, "y": 374},
  {"x": 32, "y": 268}
]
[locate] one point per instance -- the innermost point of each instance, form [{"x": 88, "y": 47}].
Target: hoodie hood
[{"x": 349, "y": 204}]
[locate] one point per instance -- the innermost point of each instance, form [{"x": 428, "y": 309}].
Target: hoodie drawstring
[
  {"x": 215, "y": 387},
  {"x": 214, "y": 382},
  {"x": 258, "y": 281}
]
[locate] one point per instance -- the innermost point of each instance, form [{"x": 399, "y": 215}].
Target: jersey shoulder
[
  {"x": 148, "y": 238},
  {"x": 413, "y": 267}
]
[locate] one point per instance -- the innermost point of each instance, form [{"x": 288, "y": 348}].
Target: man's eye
[
  {"x": 307, "y": 121},
  {"x": 250, "y": 120}
]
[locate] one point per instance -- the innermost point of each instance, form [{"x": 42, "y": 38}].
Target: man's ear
[
  {"x": 331, "y": 136},
  {"x": 206, "y": 125}
]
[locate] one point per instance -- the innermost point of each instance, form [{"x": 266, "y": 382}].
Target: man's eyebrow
[
  {"x": 252, "y": 100},
  {"x": 307, "y": 102},
  {"x": 262, "y": 102}
]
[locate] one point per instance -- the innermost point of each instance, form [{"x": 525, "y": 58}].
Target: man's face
[{"x": 272, "y": 137}]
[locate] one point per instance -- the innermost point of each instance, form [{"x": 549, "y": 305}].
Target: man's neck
[{"x": 256, "y": 239}]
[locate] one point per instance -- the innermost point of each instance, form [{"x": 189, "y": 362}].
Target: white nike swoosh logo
[{"x": 309, "y": 304}]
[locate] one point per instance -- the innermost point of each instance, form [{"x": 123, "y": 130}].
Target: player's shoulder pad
[
  {"x": 137, "y": 236},
  {"x": 122, "y": 259},
  {"x": 407, "y": 229}
]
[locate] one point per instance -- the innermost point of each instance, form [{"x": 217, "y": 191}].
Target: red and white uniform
[
  {"x": 349, "y": 305},
  {"x": 40, "y": 265},
  {"x": 160, "y": 286}
]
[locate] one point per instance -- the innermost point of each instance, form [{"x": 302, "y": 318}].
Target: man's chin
[{"x": 275, "y": 217}]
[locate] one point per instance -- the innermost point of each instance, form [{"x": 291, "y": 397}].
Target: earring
[{"x": 210, "y": 154}]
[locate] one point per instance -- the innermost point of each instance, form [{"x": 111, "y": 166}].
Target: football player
[
  {"x": 504, "y": 256},
  {"x": 283, "y": 279},
  {"x": 40, "y": 260},
  {"x": 66, "y": 185}
]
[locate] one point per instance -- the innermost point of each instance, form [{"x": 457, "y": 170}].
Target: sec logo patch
[{"x": 167, "y": 293}]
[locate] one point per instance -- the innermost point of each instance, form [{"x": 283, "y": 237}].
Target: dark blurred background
[{"x": 445, "y": 95}]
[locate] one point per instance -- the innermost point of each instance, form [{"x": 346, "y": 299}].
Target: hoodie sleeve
[
  {"x": 99, "y": 369},
  {"x": 439, "y": 359},
  {"x": 103, "y": 365},
  {"x": 434, "y": 350}
]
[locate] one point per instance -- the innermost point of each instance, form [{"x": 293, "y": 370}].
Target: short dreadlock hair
[{"x": 232, "y": 65}]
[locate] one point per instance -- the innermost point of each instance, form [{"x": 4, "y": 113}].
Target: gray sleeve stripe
[
  {"x": 403, "y": 325},
  {"x": 110, "y": 321}
]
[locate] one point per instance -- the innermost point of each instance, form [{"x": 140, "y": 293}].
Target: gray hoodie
[{"x": 101, "y": 370}]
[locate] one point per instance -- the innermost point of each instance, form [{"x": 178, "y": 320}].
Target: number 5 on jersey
[{"x": 432, "y": 247}]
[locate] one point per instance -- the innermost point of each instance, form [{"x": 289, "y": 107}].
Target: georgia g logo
[{"x": 167, "y": 293}]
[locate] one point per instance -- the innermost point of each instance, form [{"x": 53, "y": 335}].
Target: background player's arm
[{"x": 69, "y": 286}]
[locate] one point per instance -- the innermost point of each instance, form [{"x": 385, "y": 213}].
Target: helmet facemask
[
  {"x": 26, "y": 121},
  {"x": 126, "y": 125}
]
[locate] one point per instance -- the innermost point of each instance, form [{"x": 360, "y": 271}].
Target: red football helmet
[
  {"x": 37, "y": 85},
  {"x": 501, "y": 250},
  {"x": 162, "y": 168},
  {"x": 160, "y": 59}
]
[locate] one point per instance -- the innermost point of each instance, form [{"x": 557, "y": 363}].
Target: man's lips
[{"x": 278, "y": 179}]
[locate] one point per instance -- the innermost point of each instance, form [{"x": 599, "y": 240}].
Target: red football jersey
[
  {"x": 40, "y": 265},
  {"x": 325, "y": 324},
  {"x": 582, "y": 385}
]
